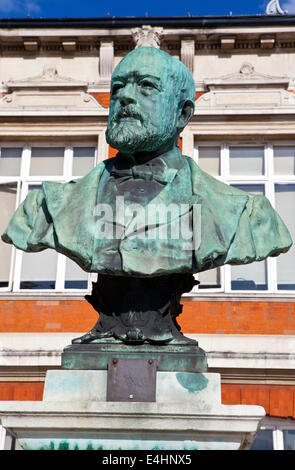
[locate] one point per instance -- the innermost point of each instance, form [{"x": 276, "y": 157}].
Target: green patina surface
[
  {"x": 171, "y": 357},
  {"x": 192, "y": 382},
  {"x": 235, "y": 227},
  {"x": 93, "y": 445}
]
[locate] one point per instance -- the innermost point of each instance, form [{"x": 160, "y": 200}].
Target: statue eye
[
  {"x": 148, "y": 84},
  {"x": 116, "y": 87}
]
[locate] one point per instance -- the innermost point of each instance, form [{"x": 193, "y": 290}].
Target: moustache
[{"x": 129, "y": 111}]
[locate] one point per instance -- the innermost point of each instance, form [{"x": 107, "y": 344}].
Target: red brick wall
[{"x": 198, "y": 317}]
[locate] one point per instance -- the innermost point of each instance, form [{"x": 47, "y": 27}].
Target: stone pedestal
[{"x": 75, "y": 414}]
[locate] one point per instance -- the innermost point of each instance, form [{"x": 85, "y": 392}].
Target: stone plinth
[{"x": 187, "y": 415}]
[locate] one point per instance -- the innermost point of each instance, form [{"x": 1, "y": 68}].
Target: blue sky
[{"x": 99, "y": 8}]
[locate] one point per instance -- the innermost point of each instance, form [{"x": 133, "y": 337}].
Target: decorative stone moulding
[
  {"x": 49, "y": 93},
  {"x": 246, "y": 92},
  {"x": 147, "y": 36}
]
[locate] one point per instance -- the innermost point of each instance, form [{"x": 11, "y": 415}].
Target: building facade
[{"x": 54, "y": 86}]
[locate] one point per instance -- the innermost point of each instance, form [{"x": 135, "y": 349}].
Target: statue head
[{"x": 152, "y": 100}]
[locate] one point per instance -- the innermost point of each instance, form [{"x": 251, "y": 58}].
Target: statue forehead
[{"x": 145, "y": 60}]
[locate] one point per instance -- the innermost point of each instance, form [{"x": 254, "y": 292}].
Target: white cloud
[
  {"x": 19, "y": 6},
  {"x": 289, "y": 5}
]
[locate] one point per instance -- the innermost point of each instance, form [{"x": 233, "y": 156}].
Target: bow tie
[{"x": 155, "y": 170}]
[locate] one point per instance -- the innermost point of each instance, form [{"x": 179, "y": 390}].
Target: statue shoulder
[
  {"x": 203, "y": 182},
  {"x": 56, "y": 190}
]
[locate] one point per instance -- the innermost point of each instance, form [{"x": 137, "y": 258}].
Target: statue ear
[{"x": 187, "y": 112}]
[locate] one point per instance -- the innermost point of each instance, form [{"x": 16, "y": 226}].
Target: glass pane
[
  {"x": 75, "y": 277},
  {"x": 7, "y": 207},
  {"x": 83, "y": 160},
  {"x": 289, "y": 439},
  {"x": 39, "y": 270},
  {"x": 47, "y": 161},
  {"x": 246, "y": 160},
  {"x": 285, "y": 203},
  {"x": 263, "y": 441},
  {"x": 284, "y": 160},
  {"x": 251, "y": 188},
  {"x": 10, "y": 161},
  {"x": 250, "y": 276},
  {"x": 210, "y": 279},
  {"x": 209, "y": 160}
]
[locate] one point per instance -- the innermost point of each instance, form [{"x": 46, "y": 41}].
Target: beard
[{"x": 132, "y": 132}]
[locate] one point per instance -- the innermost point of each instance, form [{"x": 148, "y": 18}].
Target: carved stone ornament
[
  {"x": 247, "y": 74},
  {"x": 48, "y": 93},
  {"x": 247, "y": 90},
  {"x": 273, "y": 8},
  {"x": 246, "y": 70},
  {"x": 147, "y": 36}
]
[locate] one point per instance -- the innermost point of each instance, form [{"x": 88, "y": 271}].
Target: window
[
  {"x": 275, "y": 434},
  {"x": 257, "y": 168},
  {"x": 22, "y": 169}
]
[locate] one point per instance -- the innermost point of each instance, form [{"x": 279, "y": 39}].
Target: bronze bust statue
[{"x": 150, "y": 218}]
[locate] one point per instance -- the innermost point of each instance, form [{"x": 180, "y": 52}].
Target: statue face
[{"x": 144, "y": 108}]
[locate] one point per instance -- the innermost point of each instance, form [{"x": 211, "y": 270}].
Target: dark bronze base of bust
[
  {"x": 172, "y": 357},
  {"x": 137, "y": 320},
  {"x": 138, "y": 310}
]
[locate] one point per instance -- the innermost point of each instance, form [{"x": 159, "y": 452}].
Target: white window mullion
[
  {"x": 26, "y": 160},
  {"x": 17, "y": 270},
  {"x": 2, "y": 437},
  {"x": 278, "y": 439},
  {"x": 227, "y": 278},
  {"x": 13, "y": 251},
  {"x": 224, "y": 162},
  {"x": 68, "y": 162},
  {"x": 60, "y": 272}
]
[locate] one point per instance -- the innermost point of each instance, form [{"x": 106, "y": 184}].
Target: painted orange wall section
[
  {"x": 102, "y": 98},
  {"x": 21, "y": 391},
  {"x": 277, "y": 400},
  {"x": 198, "y": 317}
]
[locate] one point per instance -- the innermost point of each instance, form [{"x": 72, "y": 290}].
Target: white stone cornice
[{"x": 223, "y": 351}]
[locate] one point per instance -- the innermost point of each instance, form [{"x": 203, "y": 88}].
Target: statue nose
[
  {"x": 127, "y": 95},
  {"x": 125, "y": 100}
]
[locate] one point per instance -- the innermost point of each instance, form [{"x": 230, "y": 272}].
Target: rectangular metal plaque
[{"x": 132, "y": 380}]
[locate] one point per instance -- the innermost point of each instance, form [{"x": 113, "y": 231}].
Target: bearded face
[
  {"x": 143, "y": 110},
  {"x": 131, "y": 130}
]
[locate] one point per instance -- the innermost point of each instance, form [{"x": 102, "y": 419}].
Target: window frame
[
  {"x": 277, "y": 426},
  {"x": 268, "y": 179},
  {"x": 23, "y": 181}
]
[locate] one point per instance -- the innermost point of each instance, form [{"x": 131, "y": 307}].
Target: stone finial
[
  {"x": 273, "y": 8},
  {"x": 147, "y": 36}
]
